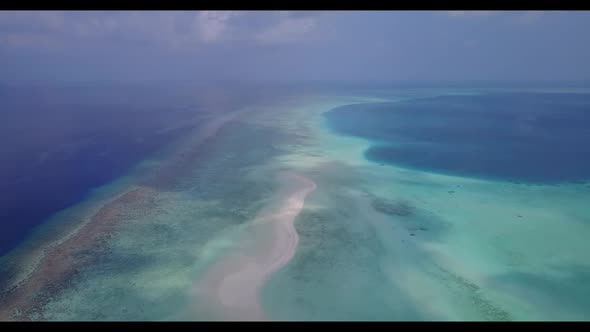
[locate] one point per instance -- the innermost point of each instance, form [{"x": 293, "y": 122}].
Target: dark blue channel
[{"x": 519, "y": 137}]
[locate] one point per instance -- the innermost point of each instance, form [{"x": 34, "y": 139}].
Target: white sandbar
[{"x": 232, "y": 285}]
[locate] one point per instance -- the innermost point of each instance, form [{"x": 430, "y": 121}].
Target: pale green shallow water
[{"x": 470, "y": 256}]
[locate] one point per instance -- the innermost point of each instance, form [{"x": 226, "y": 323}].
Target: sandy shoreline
[{"x": 231, "y": 287}]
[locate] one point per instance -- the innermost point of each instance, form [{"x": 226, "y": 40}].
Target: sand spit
[
  {"x": 231, "y": 286},
  {"x": 63, "y": 261}
]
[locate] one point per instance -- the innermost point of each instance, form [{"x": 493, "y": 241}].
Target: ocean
[{"x": 58, "y": 144}]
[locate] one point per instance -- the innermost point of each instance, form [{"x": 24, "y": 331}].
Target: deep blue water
[
  {"x": 55, "y": 149},
  {"x": 521, "y": 137}
]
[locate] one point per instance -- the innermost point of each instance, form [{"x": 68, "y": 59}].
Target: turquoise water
[{"x": 425, "y": 243}]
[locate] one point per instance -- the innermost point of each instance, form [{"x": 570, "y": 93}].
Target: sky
[{"x": 295, "y": 46}]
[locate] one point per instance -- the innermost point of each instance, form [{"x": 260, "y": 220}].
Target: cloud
[
  {"x": 529, "y": 17},
  {"x": 210, "y": 26},
  {"x": 522, "y": 17},
  {"x": 169, "y": 29},
  {"x": 289, "y": 29},
  {"x": 29, "y": 40},
  {"x": 24, "y": 21},
  {"x": 470, "y": 13},
  {"x": 29, "y": 29},
  {"x": 363, "y": 45}
]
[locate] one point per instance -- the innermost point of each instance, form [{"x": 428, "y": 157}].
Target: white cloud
[
  {"x": 26, "y": 40},
  {"x": 173, "y": 30},
  {"x": 25, "y": 20},
  {"x": 470, "y": 13},
  {"x": 530, "y": 17},
  {"x": 524, "y": 17},
  {"x": 287, "y": 30},
  {"x": 211, "y": 25},
  {"x": 30, "y": 29}
]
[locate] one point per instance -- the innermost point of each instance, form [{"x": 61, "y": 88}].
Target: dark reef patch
[
  {"x": 413, "y": 218},
  {"x": 489, "y": 310},
  {"x": 397, "y": 208}
]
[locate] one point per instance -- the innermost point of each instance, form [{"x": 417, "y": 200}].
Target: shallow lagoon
[{"x": 399, "y": 243}]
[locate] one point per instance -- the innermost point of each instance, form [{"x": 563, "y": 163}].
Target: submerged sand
[{"x": 232, "y": 285}]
